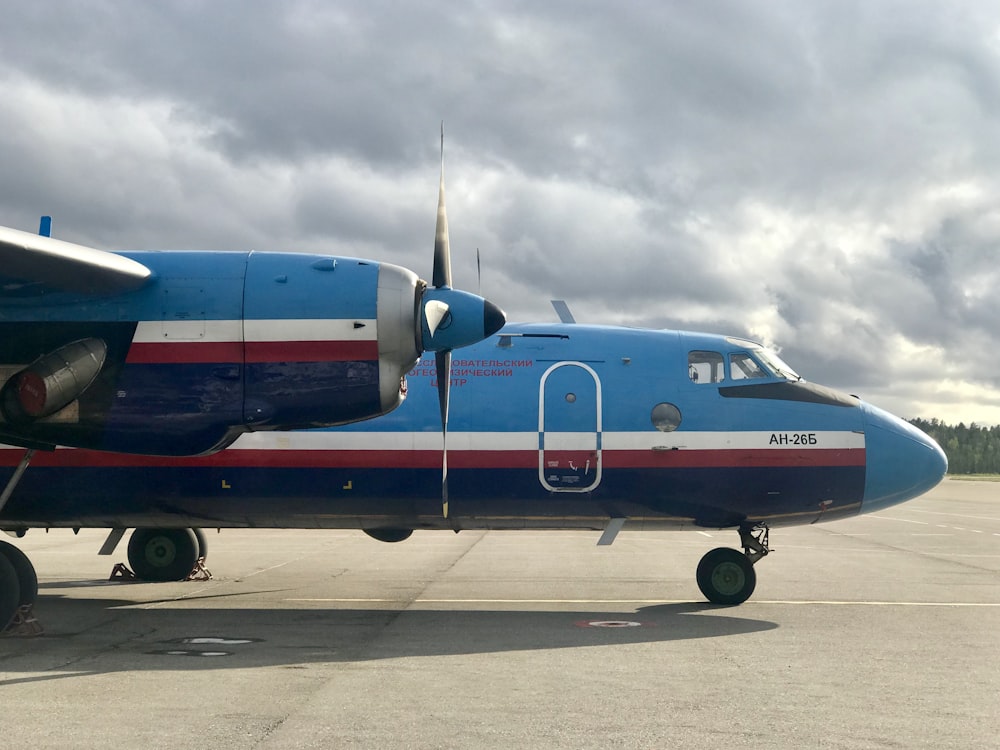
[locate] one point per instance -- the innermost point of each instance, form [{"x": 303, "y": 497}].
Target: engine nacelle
[
  {"x": 218, "y": 344},
  {"x": 341, "y": 355}
]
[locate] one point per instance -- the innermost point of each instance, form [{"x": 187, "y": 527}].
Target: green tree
[{"x": 971, "y": 449}]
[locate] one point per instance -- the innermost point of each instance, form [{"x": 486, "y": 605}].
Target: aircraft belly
[{"x": 214, "y": 492}]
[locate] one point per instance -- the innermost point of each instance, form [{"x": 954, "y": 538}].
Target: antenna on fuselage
[{"x": 562, "y": 310}]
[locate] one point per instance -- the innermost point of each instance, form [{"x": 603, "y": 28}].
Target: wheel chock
[
  {"x": 24, "y": 624},
  {"x": 121, "y": 573},
  {"x": 199, "y": 572}
]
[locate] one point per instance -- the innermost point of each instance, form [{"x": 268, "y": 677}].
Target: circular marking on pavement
[
  {"x": 217, "y": 641},
  {"x": 611, "y": 624},
  {"x": 203, "y": 641}
]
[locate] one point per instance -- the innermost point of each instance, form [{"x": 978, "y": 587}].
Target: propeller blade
[
  {"x": 442, "y": 251},
  {"x": 450, "y": 319},
  {"x": 441, "y": 278},
  {"x": 442, "y": 360}
]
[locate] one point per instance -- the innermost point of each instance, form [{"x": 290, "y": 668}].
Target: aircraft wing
[{"x": 29, "y": 262}]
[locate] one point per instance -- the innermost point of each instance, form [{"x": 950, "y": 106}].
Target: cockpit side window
[
  {"x": 743, "y": 367},
  {"x": 706, "y": 367}
]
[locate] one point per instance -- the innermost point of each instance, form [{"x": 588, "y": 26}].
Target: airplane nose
[{"x": 902, "y": 462}]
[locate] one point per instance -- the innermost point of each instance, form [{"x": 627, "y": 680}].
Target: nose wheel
[{"x": 725, "y": 575}]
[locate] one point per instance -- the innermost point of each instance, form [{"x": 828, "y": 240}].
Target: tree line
[{"x": 971, "y": 449}]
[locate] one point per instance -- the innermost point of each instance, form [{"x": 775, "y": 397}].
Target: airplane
[
  {"x": 176, "y": 354},
  {"x": 551, "y": 426}
]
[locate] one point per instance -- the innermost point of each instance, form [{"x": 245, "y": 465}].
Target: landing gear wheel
[
  {"x": 726, "y": 576},
  {"x": 163, "y": 554},
  {"x": 26, "y": 577},
  {"x": 202, "y": 542},
  {"x": 10, "y": 592}
]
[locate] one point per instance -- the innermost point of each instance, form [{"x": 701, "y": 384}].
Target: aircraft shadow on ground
[{"x": 97, "y": 636}]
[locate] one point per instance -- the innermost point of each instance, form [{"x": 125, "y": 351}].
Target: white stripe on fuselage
[
  {"x": 353, "y": 329},
  {"x": 500, "y": 441},
  {"x": 221, "y": 331}
]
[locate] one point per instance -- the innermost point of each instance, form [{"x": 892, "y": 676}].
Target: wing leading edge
[{"x": 28, "y": 259}]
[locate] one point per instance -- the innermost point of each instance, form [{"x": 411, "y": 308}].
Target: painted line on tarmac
[
  {"x": 878, "y": 603},
  {"x": 903, "y": 520},
  {"x": 825, "y": 602},
  {"x": 955, "y": 515},
  {"x": 493, "y": 601}
]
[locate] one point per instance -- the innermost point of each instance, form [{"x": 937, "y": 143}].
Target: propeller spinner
[{"x": 449, "y": 319}]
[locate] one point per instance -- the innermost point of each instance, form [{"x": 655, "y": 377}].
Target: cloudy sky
[{"x": 822, "y": 176}]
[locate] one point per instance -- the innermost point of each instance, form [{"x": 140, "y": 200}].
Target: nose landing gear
[{"x": 725, "y": 575}]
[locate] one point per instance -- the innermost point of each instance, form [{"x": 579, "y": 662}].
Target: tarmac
[{"x": 874, "y": 632}]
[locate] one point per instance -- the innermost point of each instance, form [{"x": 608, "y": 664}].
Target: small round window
[{"x": 666, "y": 417}]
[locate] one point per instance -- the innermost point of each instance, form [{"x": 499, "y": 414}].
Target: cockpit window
[
  {"x": 775, "y": 364},
  {"x": 767, "y": 359},
  {"x": 706, "y": 367},
  {"x": 743, "y": 367}
]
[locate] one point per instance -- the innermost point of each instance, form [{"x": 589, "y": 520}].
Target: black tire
[
  {"x": 202, "y": 542},
  {"x": 162, "y": 554},
  {"x": 726, "y": 576},
  {"x": 10, "y": 592},
  {"x": 26, "y": 577}
]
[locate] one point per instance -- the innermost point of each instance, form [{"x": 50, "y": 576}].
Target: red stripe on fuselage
[
  {"x": 232, "y": 352},
  {"x": 186, "y": 352},
  {"x": 282, "y": 459},
  {"x": 310, "y": 351},
  {"x": 430, "y": 459}
]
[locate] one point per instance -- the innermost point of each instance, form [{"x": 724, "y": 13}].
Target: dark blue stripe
[{"x": 300, "y": 497}]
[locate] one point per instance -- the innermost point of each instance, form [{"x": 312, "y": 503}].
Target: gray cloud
[{"x": 822, "y": 176}]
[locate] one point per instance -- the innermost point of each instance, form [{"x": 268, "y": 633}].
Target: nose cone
[
  {"x": 902, "y": 462},
  {"x": 493, "y": 318}
]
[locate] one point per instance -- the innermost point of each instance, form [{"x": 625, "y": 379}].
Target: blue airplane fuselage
[{"x": 551, "y": 426}]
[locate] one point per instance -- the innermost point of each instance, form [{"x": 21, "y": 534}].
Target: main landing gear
[
  {"x": 154, "y": 554},
  {"x": 18, "y": 591},
  {"x": 167, "y": 554},
  {"x": 725, "y": 575}
]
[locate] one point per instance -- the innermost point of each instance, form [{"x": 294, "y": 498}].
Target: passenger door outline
[{"x": 570, "y": 460}]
